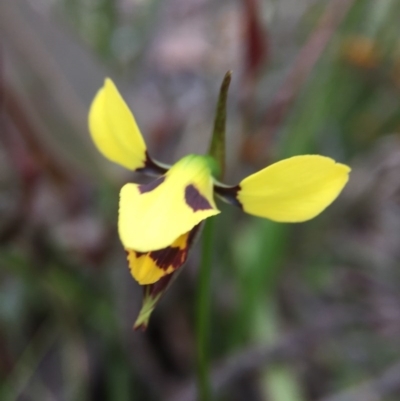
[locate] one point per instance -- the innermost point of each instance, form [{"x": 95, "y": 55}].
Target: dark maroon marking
[
  {"x": 151, "y": 167},
  {"x": 229, "y": 194},
  {"x": 139, "y": 254},
  {"x": 162, "y": 285},
  {"x": 195, "y": 199},
  {"x": 170, "y": 256},
  {"x": 143, "y": 188}
]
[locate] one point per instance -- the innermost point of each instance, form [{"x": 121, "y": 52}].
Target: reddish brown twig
[{"x": 305, "y": 62}]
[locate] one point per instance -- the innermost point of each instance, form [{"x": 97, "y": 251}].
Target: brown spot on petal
[
  {"x": 160, "y": 285},
  {"x": 143, "y": 188},
  {"x": 195, "y": 199},
  {"x": 169, "y": 257}
]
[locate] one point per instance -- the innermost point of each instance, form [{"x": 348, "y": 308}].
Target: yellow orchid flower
[{"x": 158, "y": 221}]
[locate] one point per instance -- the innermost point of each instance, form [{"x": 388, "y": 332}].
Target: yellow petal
[
  {"x": 149, "y": 267},
  {"x": 154, "y": 215},
  {"x": 114, "y": 130},
  {"x": 294, "y": 189}
]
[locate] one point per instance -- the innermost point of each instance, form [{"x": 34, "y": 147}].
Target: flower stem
[
  {"x": 217, "y": 152},
  {"x": 217, "y": 144},
  {"x": 203, "y": 313}
]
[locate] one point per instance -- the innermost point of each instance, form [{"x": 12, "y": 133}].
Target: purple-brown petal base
[
  {"x": 143, "y": 188},
  {"x": 152, "y": 167},
  {"x": 229, "y": 194}
]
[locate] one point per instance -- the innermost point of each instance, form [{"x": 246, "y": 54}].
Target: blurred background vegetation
[{"x": 299, "y": 312}]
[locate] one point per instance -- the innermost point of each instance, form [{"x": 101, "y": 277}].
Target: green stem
[
  {"x": 217, "y": 144},
  {"x": 203, "y": 313},
  {"x": 217, "y": 152}
]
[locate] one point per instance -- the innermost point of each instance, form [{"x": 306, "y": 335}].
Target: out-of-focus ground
[{"x": 299, "y": 312}]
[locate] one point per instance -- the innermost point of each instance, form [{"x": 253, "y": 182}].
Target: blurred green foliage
[{"x": 67, "y": 299}]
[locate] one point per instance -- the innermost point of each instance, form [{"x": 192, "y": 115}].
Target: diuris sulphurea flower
[{"x": 158, "y": 221}]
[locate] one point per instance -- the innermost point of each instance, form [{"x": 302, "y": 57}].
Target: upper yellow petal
[
  {"x": 114, "y": 129},
  {"x": 153, "y": 216},
  {"x": 293, "y": 190}
]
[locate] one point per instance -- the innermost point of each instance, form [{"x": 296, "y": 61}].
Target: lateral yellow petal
[
  {"x": 154, "y": 215},
  {"x": 114, "y": 130},
  {"x": 293, "y": 190},
  {"x": 149, "y": 267}
]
